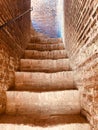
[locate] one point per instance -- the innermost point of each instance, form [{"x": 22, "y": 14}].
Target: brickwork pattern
[
  {"x": 13, "y": 40},
  {"x": 17, "y": 32},
  {"x": 81, "y": 38},
  {"x": 8, "y": 65},
  {"x": 46, "y": 18}
]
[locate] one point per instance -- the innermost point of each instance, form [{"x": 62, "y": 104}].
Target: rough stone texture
[
  {"x": 43, "y": 104},
  {"x": 45, "y": 47},
  {"x": 59, "y": 127},
  {"x": 32, "y": 54},
  {"x": 46, "y": 17},
  {"x": 44, "y": 65},
  {"x": 8, "y": 66},
  {"x": 44, "y": 81},
  {"x": 53, "y": 120},
  {"x": 42, "y": 39},
  {"x": 81, "y": 38},
  {"x": 13, "y": 40},
  {"x": 17, "y": 33}
]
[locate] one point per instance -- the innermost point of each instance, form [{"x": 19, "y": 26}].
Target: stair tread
[
  {"x": 58, "y": 51},
  {"x": 66, "y": 59},
  {"x": 44, "y": 43},
  {"x": 64, "y": 122},
  {"x": 49, "y": 44},
  {"x": 58, "y": 127},
  {"x": 40, "y": 90},
  {"x": 45, "y": 121},
  {"x": 42, "y": 39},
  {"x": 70, "y": 72},
  {"x": 45, "y": 47}
]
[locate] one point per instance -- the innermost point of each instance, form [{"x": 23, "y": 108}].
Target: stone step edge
[
  {"x": 41, "y": 91},
  {"x": 77, "y": 118}
]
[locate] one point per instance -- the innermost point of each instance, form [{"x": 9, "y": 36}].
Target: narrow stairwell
[{"x": 44, "y": 95}]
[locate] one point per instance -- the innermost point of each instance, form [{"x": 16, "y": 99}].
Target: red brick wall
[
  {"x": 81, "y": 38},
  {"x": 17, "y": 32},
  {"x": 13, "y": 40}
]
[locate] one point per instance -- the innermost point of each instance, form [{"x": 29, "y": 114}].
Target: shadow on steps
[{"x": 43, "y": 122}]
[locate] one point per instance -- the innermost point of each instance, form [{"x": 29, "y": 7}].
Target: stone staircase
[{"x": 44, "y": 95}]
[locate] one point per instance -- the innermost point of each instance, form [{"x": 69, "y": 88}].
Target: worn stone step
[
  {"x": 45, "y": 47},
  {"x": 56, "y": 54},
  {"x": 63, "y": 122},
  {"x": 44, "y": 81},
  {"x": 72, "y": 126},
  {"x": 43, "y": 104},
  {"x": 44, "y": 40},
  {"x": 44, "y": 65}
]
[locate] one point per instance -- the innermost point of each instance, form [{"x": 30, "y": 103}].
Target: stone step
[
  {"x": 56, "y": 54},
  {"x": 44, "y": 40},
  {"x": 43, "y": 104},
  {"x": 44, "y": 65},
  {"x": 64, "y": 122},
  {"x": 73, "y": 126},
  {"x": 44, "y": 81},
  {"x": 45, "y": 47}
]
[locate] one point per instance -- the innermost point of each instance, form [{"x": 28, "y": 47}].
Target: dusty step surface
[
  {"x": 59, "y": 127},
  {"x": 65, "y": 122},
  {"x": 44, "y": 81},
  {"x": 44, "y": 40},
  {"x": 43, "y": 104},
  {"x": 44, "y": 65},
  {"x": 56, "y": 54},
  {"x": 45, "y": 47}
]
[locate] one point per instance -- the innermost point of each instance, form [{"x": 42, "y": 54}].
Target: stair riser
[
  {"x": 43, "y": 40},
  {"x": 47, "y": 47},
  {"x": 30, "y": 54},
  {"x": 44, "y": 65},
  {"x": 43, "y": 104},
  {"x": 58, "y": 127},
  {"x": 44, "y": 81}
]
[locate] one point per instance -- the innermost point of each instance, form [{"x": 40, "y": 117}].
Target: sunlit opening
[{"x": 47, "y": 17}]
